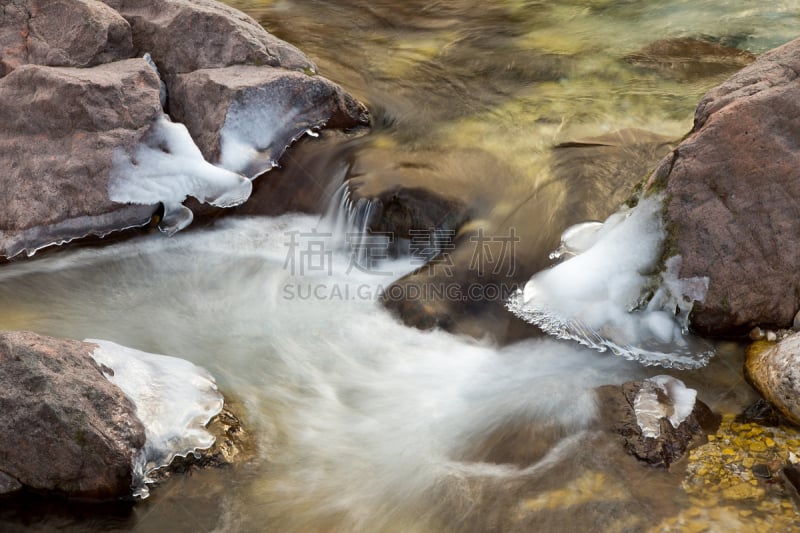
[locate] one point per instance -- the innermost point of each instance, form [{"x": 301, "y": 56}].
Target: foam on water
[
  {"x": 609, "y": 296},
  {"x": 357, "y": 415},
  {"x": 174, "y": 399}
]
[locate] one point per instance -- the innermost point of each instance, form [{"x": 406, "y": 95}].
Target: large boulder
[
  {"x": 187, "y": 35},
  {"x": 64, "y": 427},
  {"x": 57, "y": 147},
  {"x": 732, "y": 187},
  {"x": 244, "y": 117},
  {"x": 62, "y": 33}
]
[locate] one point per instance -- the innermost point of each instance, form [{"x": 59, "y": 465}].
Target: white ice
[
  {"x": 610, "y": 296},
  {"x": 650, "y": 410},
  {"x": 174, "y": 399},
  {"x": 167, "y": 167},
  {"x": 258, "y": 128}
]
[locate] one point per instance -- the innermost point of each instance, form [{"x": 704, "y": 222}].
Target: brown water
[{"x": 363, "y": 424}]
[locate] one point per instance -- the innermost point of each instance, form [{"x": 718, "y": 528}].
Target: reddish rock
[
  {"x": 265, "y": 109},
  {"x": 57, "y": 145},
  {"x": 618, "y": 416},
  {"x": 732, "y": 187},
  {"x": 64, "y": 427},
  {"x": 64, "y": 33},
  {"x": 187, "y": 35}
]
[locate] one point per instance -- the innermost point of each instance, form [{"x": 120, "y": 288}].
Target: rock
[
  {"x": 57, "y": 147},
  {"x": 792, "y": 474},
  {"x": 774, "y": 370},
  {"x": 233, "y": 444},
  {"x": 688, "y": 59},
  {"x": 188, "y": 35},
  {"x": 8, "y": 484},
  {"x": 732, "y": 187},
  {"x": 760, "y": 412},
  {"x": 61, "y": 33},
  {"x": 619, "y": 415},
  {"x": 244, "y": 117},
  {"x": 64, "y": 428}
]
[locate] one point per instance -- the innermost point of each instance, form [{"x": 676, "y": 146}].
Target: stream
[{"x": 359, "y": 422}]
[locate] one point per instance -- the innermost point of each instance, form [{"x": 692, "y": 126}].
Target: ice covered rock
[
  {"x": 61, "y": 128},
  {"x": 167, "y": 167},
  {"x": 174, "y": 400},
  {"x": 244, "y": 117},
  {"x": 64, "y": 427},
  {"x": 732, "y": 187},
  {"x": 611, "y": 295},
  {"x": 662, "y": 397},
  {"x": 61, "y": 33},
  {"x": 657, "y": 419}
]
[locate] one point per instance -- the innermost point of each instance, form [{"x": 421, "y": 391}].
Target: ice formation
[
  {"x": 167, "y": 167},
  {"x": 675, "y": 403},
  {"x": 174, "y": 400},
  {"x": 610, "y": 296},
  {"x": 259, "y": 128}
]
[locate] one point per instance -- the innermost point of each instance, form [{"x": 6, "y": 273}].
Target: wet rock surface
[
  {"x": 774, "y": 370},
  {"x": 65, "y": 428},
  {"x": 233, "y": 444},
  {"x": 671, "y": 444},
  {"x": 732, "y": 187}
]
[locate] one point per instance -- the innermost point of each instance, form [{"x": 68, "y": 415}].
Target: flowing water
[{"x": 362, "y": 423}]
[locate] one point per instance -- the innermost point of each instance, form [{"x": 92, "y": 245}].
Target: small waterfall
[{"x": 349, "y": 223}]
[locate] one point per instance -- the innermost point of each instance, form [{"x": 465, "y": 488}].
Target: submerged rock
[
  {"x": 654, "y": 419},
  {"x": 774, "y": 370},
  {"x": 732, "y": 186},
  {"x": 64, "y": 428},
  {"x": 57, "y": 148},
  {"x": 688, "y": 58}
]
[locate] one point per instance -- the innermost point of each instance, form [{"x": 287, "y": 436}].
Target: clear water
[{"x": 361, "y": 423}]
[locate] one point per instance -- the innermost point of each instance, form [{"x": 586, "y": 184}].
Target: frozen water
[
  {"x": 577, "y": 238},
  {"x": 167, "y": 167},
  {"x": 676, "y": 404},
  {"x": 609, "y": 295},
  {"x": 259, "y": 127},
  {"x": 174, "y": 400}
]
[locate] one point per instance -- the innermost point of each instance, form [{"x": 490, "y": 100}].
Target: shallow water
[{"x": 364, "y": 424}]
